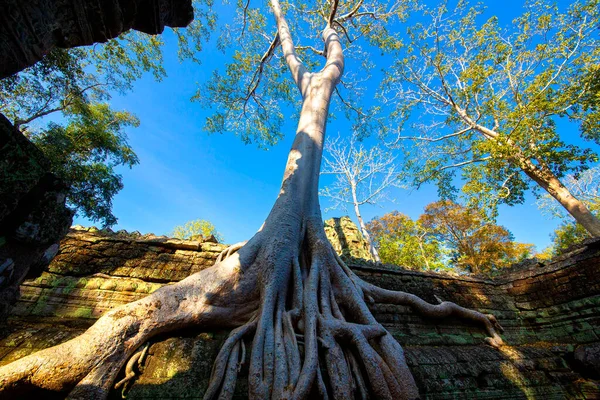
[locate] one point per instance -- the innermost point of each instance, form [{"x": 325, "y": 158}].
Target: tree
[
  {"x": 484, "y": 101},
  {"x": 75, "y": 85},
  {"x": 567, "y": 235},
  {"x": 476, "y": 245},
  {"x": 284, "y": 282},
  {"x": 197, "y": 227},
  {"x": 361, "y": 177},
  {"x": 85, "y": 152},
  {"x": 404, "y": 242}
]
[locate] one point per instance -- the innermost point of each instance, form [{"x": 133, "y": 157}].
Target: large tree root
[{"x": 314, "y": 334}]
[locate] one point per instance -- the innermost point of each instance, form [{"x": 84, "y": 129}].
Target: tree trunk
[
  {"x": 363, "y": 227},
  {"x": 420, "y": 239},
  {"x": 543, "y": 176}
]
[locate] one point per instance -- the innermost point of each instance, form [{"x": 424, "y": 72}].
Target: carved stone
[{"x": 30, "y": 29}]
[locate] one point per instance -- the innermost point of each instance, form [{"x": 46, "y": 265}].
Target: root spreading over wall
[{"x": 313, "y": 332}]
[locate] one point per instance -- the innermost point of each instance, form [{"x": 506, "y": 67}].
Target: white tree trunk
[{"x": 363, "y": 228}]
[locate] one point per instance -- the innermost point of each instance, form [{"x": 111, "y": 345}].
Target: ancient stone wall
[
  {"x": 33, "y": 215},
  {"x": 551, "y": 316},
  {"x": 30, "y": 29}
]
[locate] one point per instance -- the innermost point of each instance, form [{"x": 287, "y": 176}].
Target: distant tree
[
  {"x": 476, "y": 245},
  {"x": 361, "y": 177},
  {"x": 484, "y": 101},
  {"x": 406, "y": 243},
  {"x": 567, "y": 235},
  {"x": 197, "y": 227}
]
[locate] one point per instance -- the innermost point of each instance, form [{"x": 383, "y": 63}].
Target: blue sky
[{"x": 186, "y": 174}]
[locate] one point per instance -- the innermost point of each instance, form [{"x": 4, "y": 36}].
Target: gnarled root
[
  {"x": 443, "y": 310},
  {"x": 315, "y": 335},
  {"x": 136, "y": 359},
  {"x": 87, "y": 366},
  {"x": 279, "y": 289}
]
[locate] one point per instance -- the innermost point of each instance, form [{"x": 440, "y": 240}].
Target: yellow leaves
[
  {"x": 195, "y": 228},
  {"x": 544, "y": 22}
]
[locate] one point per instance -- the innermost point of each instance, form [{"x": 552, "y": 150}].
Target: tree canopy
[
  {"x": 404, "y": 242},
  {"x": 195, "y": 228},
  {"x": 251, "y": 95},
  {"x": 85, "y": 152},
  {"x": 446, "y": 236},
  {"x": 66, "y": 95},
  {"x": 475, "y": 245},
  {"x": 479, "y": 102}
]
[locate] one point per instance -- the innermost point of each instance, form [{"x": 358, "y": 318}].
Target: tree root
[
  {"x": 314, "y": 334},
  {"x": 229, "y": 251},
  {"x": 137, "y": 358}
]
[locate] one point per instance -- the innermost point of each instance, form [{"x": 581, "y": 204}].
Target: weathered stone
[
  {"x": 589, "y": 358},
  {"x": 346, "y": 238},
  {"x": 30, "y": 29},
  {"x": 547, "y": 345},
  {"x": 33, "y": 215}
]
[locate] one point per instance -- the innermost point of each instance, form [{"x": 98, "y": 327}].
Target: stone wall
[
  {"x": 30, "y": 29},
  {"x": 33, "y": 215},
  {"x": 551, "y": 316},
  {"x": 346, "y": 239}
]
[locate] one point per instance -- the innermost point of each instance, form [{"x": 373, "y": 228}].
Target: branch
[
  {"x": 297, "y": 68},
  {"x": 19, "y": 122},
  {"x": 462, "y": 164},
  {"x": 311, "y": 48},
  {"x": 258, "y": 73},
  {"x": 245, "y": 12},
  {"x": 332, "y": 13},
  {"x": 426, "y": 139},
  {"x": 65, "y": 103},
  {"x": 352, "y": 13}
]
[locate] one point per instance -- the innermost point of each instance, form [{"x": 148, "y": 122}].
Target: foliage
[
  {"x": 73, "y": 85},
  {"x": 251, "y": 95},
  {"x": 475, "y": 245},
  {"x": 567, "y": 235},
  {"x": 404, "y": 242},
  {"x": 482, "y": 100},
  {"x": 197, "y": 227},
  {"x": 85, "y": 152}
]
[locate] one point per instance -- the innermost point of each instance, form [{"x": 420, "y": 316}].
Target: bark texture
[{"x": 314, "y": 335}]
